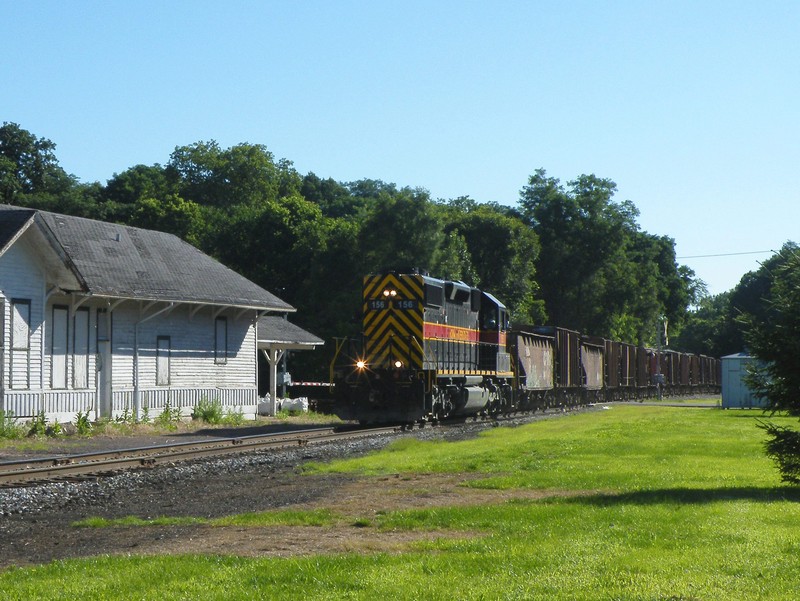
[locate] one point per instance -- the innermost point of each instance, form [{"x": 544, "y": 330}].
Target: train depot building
[{"x": 107, "y": 319}]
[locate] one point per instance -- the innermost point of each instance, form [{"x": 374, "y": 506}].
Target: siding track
[{"x": 14, "y": 474}]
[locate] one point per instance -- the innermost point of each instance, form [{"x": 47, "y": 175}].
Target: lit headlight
[
  {"x": 398, "y": 364},
  {"x": 361, "y": 364}
]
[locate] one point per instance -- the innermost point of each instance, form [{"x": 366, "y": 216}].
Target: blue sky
[{"x": 690, "y": 107}]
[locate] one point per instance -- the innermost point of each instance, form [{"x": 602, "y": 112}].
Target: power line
[{"x": 752, "y": 252}]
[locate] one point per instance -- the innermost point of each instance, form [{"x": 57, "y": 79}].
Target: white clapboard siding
[
  {"x": 22, "y": 280},
  {"x": 21, "y": 403},
  {"x": 192, "y": 358},
  {"x": 68, "y": 401},
  {"x": 155, "y": 399},
  {"x": 195, "y": 371}
]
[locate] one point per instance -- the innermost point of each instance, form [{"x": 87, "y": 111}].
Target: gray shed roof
[
  {"x": 279, "y": 332},
  {"x": 120, "y": 261}
]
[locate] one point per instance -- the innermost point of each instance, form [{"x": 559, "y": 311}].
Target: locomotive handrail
[
  {"x": 428, "y": 385},
  {"x": 340, "y": 342},
  {"x": 426, "y": 357}
]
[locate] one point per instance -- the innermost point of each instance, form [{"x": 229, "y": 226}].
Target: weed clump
[
  {"x": 209, "y": 412},
  {"x": 9, "y": 427}
]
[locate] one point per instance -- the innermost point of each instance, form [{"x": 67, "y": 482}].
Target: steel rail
[{"x": 14, "y": 473}]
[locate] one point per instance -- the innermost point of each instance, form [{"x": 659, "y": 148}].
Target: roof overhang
[
  {"x": 262, "y": 309},
  {"x": 59, "y": 271},
  {"x": 287, "y": 346},
  {"x": 278, "y": 333}
]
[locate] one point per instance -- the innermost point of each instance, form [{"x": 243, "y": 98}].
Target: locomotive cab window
[
  {"x": 504, "y": 323},
  {"x": 489, "y": 321}
]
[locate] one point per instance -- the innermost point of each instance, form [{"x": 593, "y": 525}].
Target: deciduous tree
[
  {"x": 503, "y": 251},
  {"x": 598, "y": 272},
  {"x": 29, "y": 170},
  {"x": 401, "y": 231}
]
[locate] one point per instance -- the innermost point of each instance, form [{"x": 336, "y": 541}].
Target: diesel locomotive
[{"x": 433, "y": 349}]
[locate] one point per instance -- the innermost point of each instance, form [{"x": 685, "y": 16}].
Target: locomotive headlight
[
  {"x": 385, "y": 293},
  {"x": 393, "y": 292},
  {"x": 361, "y": 364},
  {"x": 398, "y": 364},
  {"x": 390, "y": 292}
]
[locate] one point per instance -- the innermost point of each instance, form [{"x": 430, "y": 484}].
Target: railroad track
[
  {"x": 14, "y": 474},
  {"x": 87, "y": 466}
]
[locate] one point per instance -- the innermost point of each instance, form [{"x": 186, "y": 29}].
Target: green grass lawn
[{"x": 652, "y": 503}]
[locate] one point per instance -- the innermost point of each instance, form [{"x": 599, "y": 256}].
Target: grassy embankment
[{"x": 641, "y": 503}]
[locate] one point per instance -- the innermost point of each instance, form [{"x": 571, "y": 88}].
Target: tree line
[{"x": 567, "y": 254}]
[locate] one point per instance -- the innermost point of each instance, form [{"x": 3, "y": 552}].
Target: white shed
[{"x": 735, "y": 393}]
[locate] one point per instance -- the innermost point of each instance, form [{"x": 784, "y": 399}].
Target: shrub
[
  {"x": 38, "y": 425},
  {"x": 9, "y": 428},
  {"x": 82, "y": 423},
  {"x": 208, "y": 411},
  {"x": 126, "y": 417},
  {"x": 234, "y": 417},
  {"x": 169, "y": 416},
  {"x": 54, "y": 429}
]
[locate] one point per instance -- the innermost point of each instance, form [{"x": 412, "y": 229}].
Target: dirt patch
[
  {"x": 42, "y": 538},
  {"x": 287, "y": 541},
  {"x": 366, "y": 497}
]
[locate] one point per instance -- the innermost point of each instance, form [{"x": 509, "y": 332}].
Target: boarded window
[
  {"x": 162, "y": 361},
  {"x": 20, "y": 325},
  {"x": 103, "y": 325},
  {"x": 80, "y": 346},
  {"x": 221, "y": 340},
  {"x": 58, "y": 347},
  {"x": 20, "y": 343}
]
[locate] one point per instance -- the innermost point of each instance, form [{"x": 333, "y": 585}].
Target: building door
[
  {"x": 103, "y": 362},
  {"x": 58, "y": 350}
]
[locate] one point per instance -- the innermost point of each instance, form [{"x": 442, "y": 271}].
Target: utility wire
[{"x": 752, "y": 252}]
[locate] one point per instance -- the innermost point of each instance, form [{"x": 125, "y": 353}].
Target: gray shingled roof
[
  {"x": 119, "y": 261},
  {"x": 275, "y": 329}
]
